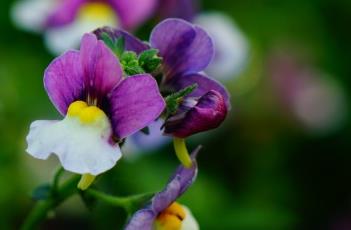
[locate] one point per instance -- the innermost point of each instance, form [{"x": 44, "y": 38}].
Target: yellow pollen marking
[
  {"x": 86, "y": 114},
  {"x": 76, "y": 107},
  {"x": 96, "y": 10},
  {"x": 171, "y": 218}
]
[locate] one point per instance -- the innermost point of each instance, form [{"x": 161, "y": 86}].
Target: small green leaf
[
  {"x": 129, "y": 61},
  {"x": 42, "y": 192},
  {"x": 116, "y": 45},
  {"x": 173, "y": 100},
  {"x": 149, "y": 60}
]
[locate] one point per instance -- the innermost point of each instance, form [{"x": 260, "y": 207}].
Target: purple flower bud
[{"x": 208, "y": 112}]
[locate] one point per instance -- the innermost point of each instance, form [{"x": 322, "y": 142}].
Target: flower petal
[
  {"x": 208, "y": 113},
  {"x": 32, "y": 14},
  {"x": 131, "y": 43},
  {"x": 80, "y": 148},
  {"x": 60, "y": 39},
  {"x": 180, "y": 181},
  {"x": 142, "y": 220},
  {"x": 141, "y": 142},
  {"x": 65, "y": 13},
  {"x": 189, "y": 222},
  {"x": 185, "y": 48},
  {"x": 204, "y": 85},
  {"x": 133, "y": 12},
  {"x": 63, "y": 80},
  {"x": 102, "y": 70},
  {"x": 134, "y": 104}
]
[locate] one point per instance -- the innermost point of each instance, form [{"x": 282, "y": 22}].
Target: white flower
[{"x": 232, "y": 48}]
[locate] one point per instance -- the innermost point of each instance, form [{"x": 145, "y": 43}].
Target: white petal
[
  {"x": 32, "y": 14},
  {"x": 80, "y": 148},
  {"x": 58, "y": 40},
  {"x": 231, "y": 46},
  {"x": 189, "y": 222}
]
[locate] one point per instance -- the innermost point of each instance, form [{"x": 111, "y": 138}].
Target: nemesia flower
[
  {"x": 99, "y": 105},
  {"x": 232, "y": 47},
  {"x": 186, "y": 50},
  {"x": 65, "y": 21},
  {"x": 163, "y": 213}
]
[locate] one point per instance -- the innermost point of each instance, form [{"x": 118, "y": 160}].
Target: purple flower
[
  {"x": 186, "y": 50},
  {"x": 99, "y": 105},
  {"x": 65, "y": 21},
  {"x": 162, "y": 210},
  {"x": 130, "y": 13}
]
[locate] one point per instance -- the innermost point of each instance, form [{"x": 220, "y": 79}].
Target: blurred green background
[{"x": 263, "y": 169}]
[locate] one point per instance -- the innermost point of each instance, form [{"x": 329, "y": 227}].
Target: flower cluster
[{"x": 117, "y": 85}]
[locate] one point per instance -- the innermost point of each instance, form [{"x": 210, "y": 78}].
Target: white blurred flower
[{"x": 232, "y": 48}]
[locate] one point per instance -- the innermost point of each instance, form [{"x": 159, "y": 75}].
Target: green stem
[
  {"x": 57, "y": 176},
  {"x": 41, "y": 209},
  {"x": 128, "y": 203},
  {"x": 113, "y": 200}
]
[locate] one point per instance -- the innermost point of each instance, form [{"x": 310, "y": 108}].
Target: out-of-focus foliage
[{"x": 263, "y": 169}]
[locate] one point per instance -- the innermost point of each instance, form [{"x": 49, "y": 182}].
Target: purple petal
[
  {"x": 185, "y": 48},
  {"x": 141, "y": 220},
  {"x": 65, "y": 13},
  {"x": 180, "y": 181},
  {"x": 133, "y": 12},
  {"x": 184, "y": 9},
  {"x": 134, "y": 104},
  {"x": 204, "y": 85},
  {"x": 178, "y": 184},
  {"x": 102, "y": 70},
  {"x": 208, "y": 113},
  {"x": 131, "y": 43},
  {"x": 151, "y": 141},
  {"x": 63, "y": 80}
]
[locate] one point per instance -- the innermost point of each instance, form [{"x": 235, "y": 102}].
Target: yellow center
[
  {"x": 86, "y": 114},
  {"x": 97, "y": 10},
  {"x": 171, "y": 218}
]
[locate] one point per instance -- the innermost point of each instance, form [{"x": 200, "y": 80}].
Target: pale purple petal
[
  {"x": 65, "y": 13},
  {"x": 185, "y": 48},
  {"x": 204, "y": 85},
  {"x": 132, "y": 13},
  {"x": 142, "y": 220},
  {"x": 179, "y": 182},
  {"x": 177, "y": 185},
  {"x": 134, "y": 104},
  {"x": 63, "y": 80},
  {"x": 131, "y": 43},
  {"x": 102, "y": 70},
  {"x": 153, "y": 140},
  {"x": 208, "y": 113}
]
